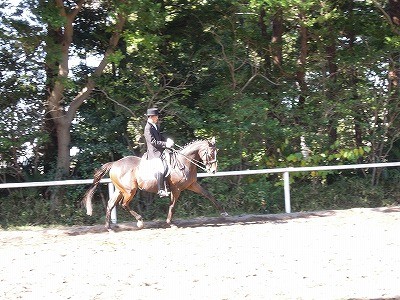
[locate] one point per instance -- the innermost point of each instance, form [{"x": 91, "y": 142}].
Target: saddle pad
[{"x": 148, "y": 168}]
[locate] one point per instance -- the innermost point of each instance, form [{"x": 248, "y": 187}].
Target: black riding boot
[{"x": 161, "y": 185}]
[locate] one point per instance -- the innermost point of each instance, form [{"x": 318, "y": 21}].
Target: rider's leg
[
  {"x": 161, "y": 185},
  {"x": 165, "y": 165}
]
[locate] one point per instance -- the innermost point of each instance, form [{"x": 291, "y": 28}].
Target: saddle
[{"x": 149, "y": 168}]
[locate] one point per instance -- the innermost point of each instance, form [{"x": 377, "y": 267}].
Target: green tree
[{"x": 61, "y": 104}]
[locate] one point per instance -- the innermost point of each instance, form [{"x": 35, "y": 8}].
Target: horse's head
[{"x": 208, "y": 155}]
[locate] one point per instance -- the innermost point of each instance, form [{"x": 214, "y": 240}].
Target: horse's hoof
[
  {"x": 140, "y": 224},
  {"x": 224, "y": 214},
  {"x": 169, "y": 224}
]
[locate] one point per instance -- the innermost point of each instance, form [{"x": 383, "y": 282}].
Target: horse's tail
[{"x": 98, "y": 175}]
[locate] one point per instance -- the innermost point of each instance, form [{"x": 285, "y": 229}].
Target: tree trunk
[
  {"x": 394, "y": 12},
  {"x": 265, "y": 36},
  {"x": 53, "y": 42},
  {"x": 357, "y": 112},
  {"x": 301, "y": 64},
  {"x": 331, "y": 80},
  {"x": 273, "y": 59},
  {"x": 276, "y": 41},
  {"x": 62, "y": 114}
]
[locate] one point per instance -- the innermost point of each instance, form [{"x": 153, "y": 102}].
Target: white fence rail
[{"x": 284, "y": 171}]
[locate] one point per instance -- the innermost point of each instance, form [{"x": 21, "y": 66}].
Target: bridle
[{"x": 209, "y": 160}]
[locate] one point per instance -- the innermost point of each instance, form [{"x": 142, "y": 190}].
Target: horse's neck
[
  {"x": 188, "y": 156},
  {"x": 191, "y": 152}
]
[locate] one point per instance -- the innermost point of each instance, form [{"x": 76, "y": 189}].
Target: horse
[{"x": 127, "y": 177}]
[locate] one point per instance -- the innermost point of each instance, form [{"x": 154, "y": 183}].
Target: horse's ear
[{"x": 212, "y": 141}]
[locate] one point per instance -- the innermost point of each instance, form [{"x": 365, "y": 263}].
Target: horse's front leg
[
  {"x": 197, "y": 188},
  {"x": 174, "y": 198}
]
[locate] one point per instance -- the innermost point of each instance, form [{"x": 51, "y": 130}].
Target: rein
[{"x": 193, "y": 161}]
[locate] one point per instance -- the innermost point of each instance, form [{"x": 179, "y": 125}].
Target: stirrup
[{"x": 163, "y": 193}]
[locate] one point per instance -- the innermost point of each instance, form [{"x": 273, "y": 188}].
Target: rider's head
[{"x": 152, "y": 114}]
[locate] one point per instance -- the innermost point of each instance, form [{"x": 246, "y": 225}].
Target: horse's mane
[{"x": 193, "y": 142}]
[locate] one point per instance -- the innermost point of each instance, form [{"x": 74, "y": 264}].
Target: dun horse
[{"x": 129, "y": 174}]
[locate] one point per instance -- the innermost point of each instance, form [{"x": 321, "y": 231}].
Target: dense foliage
[{"x": 278, "y": 83}]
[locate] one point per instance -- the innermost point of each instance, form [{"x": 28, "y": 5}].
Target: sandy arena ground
[{"x": 350, "y": 254}]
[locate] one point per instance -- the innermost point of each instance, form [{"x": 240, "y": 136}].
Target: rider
[{"x": 156, "y": 144}]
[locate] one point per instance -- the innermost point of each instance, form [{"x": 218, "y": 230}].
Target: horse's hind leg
[
  {"x": 112, "y": 202},
  {"x": 197, "y": 188},
  {"x": 125, "y": 204}
]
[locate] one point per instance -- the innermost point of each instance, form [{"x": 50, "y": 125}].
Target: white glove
[{"x": 169, "y": 143}]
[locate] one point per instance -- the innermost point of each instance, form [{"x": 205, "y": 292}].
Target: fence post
[
  {"x": 286, "y": 184},
  {"x": 114, "y": 210}
]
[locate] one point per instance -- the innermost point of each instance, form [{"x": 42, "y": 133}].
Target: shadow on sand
[
  {"x": 391, "y": 209},
  {"x": 201, "y": 222}
]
